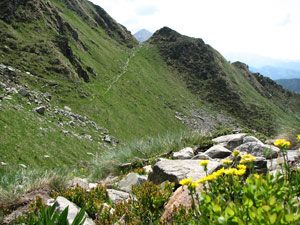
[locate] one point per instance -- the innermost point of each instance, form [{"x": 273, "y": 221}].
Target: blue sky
[{"x": 269, "y": 28}]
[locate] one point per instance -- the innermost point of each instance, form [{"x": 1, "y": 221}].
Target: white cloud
[{"x": 265, "y": 27}]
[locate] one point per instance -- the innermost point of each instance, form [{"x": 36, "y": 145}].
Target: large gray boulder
[
  {"x": 250, "y": 139},
  {"x": 186, "y": 153},
  {"x": 259, "y": 149},
  {"x": 83, "y": 183},
  {"x": 218, "y": 151},
  {"x": 131, "y": 179},
  {"x": 63, "y": 203},
  {"x": 176, "y": 170},
  {"x": 230, "y": 141},
  {"x": 116, "y": 196}
]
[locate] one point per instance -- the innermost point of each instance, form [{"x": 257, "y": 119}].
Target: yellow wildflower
[
  {"x": 201, "y": 181},
  {"x": 185, "y": 181},
  {"x": 247, "y": 158},
  {"x": 219, "y": 172},
  {"x": 235, "y": 153},
  {"x": 226, "y": 161},
  {"x": 256, "y": 176},
  {"x": 203, "y": 162},
  {"x": 241, "y": 167},
  {"x": 240, "y": 172},
  {"x": 298, "y": 138},
  {"x": 194, "y": 184},
  {"x": 282, "y": 143},
  {"x": 230, "y": 171}
]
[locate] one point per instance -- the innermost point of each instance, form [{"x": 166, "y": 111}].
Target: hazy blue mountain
[
  {"x": 142, "y": 35},
  {"x": 292, "y": 84},
  {"x": 273, "y": 68},
  {"x": 277, "y": 73}
]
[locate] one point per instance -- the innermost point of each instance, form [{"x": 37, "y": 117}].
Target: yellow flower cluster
[
  {"x": 189, "y": 182},
  {"x": 298, "y": 138},
  {"x": 282, "y": 143},
  {"x": 203, "y": 162},
  {"x": 235, "y": 153},
  {"x": 247, "y": 158},
  {"x": 226, "y": 161}
]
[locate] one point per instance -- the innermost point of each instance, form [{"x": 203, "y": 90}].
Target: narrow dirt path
[{"x": 124, "y": 69}]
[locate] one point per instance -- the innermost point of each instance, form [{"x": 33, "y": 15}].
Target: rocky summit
[{"x": 87, "y": 109}]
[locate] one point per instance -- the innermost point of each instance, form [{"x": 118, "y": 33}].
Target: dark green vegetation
[
  {"x": 292, "y": 84},
  {"x": 87, "y": 61}
]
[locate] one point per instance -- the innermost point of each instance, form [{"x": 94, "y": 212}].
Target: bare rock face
[
  {"x": 176, "y": 170},
  {"x": 230, "y": 141}
]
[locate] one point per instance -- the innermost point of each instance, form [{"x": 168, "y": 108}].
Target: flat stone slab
[{"x": 176, "y": 170}]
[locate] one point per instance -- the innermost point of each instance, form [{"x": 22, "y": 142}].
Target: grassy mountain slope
[{"x": 87, "y": 61}]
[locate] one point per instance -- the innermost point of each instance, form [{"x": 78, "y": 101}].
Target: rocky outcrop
[
  {"x": 218, "y": 151},
  {"x": 230, "y": 141},
  {"x": 116, "y": 196},
  {"x": 259, "y": 149},
  {"x": 131, "y": 179},
  {"x": 176, "y": 170}
]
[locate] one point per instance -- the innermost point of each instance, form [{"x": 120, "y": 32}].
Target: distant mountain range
[
  {"x": 276, "y": 73},
  {"x": 142, "y": 35},
  {"x": 274, "y": 68},
  {"x": 292, "y": 84}
]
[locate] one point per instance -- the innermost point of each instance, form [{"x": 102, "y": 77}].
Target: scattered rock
[
  {"x": 186, "y": 153},
  {"x": 218, "y": 151},
  {"x": 83, "y": 183},
  {"x": 117, "y": 196},
  {"x": 24, "y": 92},
  {"x": 18, "y": 107},
  {"x": 176, "y": 170},
  {"x": 23, "y": 166},
  {"x": 40, "y": 110},
  {"x": 92, "y": 185},
  {"x": 230, "y": 141},
  {"x": 63, "y": 203},
  {"x": 3, "y": 164},
  {"x": 148, "y": 168},
  {"x": 48, "y": 96},
  {"x": 131, "y": 179},
  {"x": 67, "y": 108},
  {"x": 46, "y": 156}
]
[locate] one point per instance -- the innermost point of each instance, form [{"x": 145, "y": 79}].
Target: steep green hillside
[
  {"x": 254, "y": 100},
  {"x": 117, "y": 90}
]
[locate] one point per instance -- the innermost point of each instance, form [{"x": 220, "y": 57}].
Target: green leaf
[
  {"x": 289, "y": 217},
  {"x": 229, "y": 212},
  {"x": 266, "y": 208},
  {"x": 63, "y": 220},
  {"x": 216, "y": 208},
  {"x": 207, "y": 198},
  {"x": 79, "y": 217},
  {"x": 273, "y": 218}
]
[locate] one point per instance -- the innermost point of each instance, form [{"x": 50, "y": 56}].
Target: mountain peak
[{"x": 142, "y": 35}]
